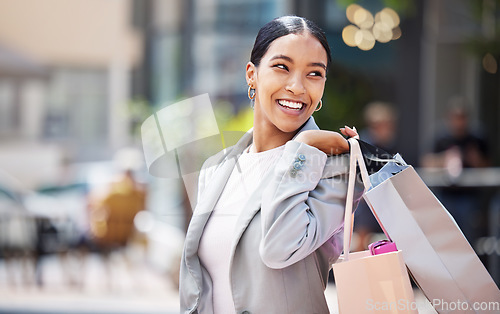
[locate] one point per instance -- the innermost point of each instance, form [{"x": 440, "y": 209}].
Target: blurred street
[{"x": 138, "y": 290}]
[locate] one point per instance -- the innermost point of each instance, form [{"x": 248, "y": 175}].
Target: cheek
[
  {"x": 269, "y": 86},
  {"x": 270, "y": 79},
  {"x": 316, "y": 91}
]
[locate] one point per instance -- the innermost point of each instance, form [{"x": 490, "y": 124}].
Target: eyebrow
[{"x": 318, "y": 64}]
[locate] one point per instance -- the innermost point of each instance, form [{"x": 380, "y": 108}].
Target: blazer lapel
[{"x": 207, "y": 202}]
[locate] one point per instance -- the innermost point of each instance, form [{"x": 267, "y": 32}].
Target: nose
[{"x": 295, "y": 85}]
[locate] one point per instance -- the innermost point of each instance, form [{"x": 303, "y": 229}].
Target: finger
[
  {"x": 350, "y": 132},
  {"x": 353, "y": 129},
  {"x": 347, "y": 131}
]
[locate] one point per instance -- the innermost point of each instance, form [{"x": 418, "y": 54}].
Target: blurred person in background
[
  {"x": 111, "y": 216},
  {"x": 456, "y": 148},
  {"x": 269, "y": 219},
  {"x": 381, "y": 124},
  {"x": 458, "y": 143}
]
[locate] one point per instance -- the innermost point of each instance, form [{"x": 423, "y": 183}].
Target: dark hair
[{"x": 283, "y": 26}]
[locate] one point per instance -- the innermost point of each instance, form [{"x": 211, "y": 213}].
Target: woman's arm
[
  {"x": 329, "y": 142},
  {"x": 303, "y": 209}
]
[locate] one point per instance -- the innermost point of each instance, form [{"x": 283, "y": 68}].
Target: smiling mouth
[{"x": 292, "y": 105}]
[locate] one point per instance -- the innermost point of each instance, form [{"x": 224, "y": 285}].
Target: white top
[{"x": 215, "y": 244}]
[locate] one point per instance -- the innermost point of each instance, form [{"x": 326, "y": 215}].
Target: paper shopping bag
[
  {"x": 440, "y": 259},
  {"x": 374, "y": 284},
  {"x": 369, "y": 283}
]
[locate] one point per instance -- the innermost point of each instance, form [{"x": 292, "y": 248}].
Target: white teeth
[{"x": 291, "y": 104}]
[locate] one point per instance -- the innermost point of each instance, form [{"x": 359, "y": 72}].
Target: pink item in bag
[{"x": 382, "y": 246}]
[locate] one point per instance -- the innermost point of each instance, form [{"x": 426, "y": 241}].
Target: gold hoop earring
[
  {"x": 320, "y": 105},
  {"x": 251, "y": 95}
]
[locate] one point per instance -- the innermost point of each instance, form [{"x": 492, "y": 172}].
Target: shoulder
[
  {"x": 216, "y": 160},
  {"x": 336, "y": 165},
  {"x": 213, "y": 162}
]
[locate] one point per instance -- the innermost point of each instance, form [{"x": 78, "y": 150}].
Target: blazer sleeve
[{"x": 303, "y": 205}]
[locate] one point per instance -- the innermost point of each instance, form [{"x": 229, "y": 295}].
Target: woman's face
[{"x": 289, "y": 82}]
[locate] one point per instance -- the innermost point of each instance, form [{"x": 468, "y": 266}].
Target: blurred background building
[{"x": 78, "y": 78}]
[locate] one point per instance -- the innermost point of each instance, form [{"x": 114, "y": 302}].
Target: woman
[{"x": 269, "y": 218}]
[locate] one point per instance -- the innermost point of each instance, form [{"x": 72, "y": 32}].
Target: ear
[{"x": 251, "y": 74}]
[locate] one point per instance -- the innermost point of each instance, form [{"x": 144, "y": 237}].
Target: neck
[{"x": 266, "y": 138}]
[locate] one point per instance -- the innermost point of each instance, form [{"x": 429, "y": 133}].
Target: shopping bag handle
[{"x": 356, "y": 158}]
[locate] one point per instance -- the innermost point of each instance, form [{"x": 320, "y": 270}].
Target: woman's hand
[{"x": 329, "y": 142}]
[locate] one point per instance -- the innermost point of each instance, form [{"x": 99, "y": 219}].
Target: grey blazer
[{"x": 287, "y": 237}]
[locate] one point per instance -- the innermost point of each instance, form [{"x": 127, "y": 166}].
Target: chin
[{"x": 290, "y": 128}]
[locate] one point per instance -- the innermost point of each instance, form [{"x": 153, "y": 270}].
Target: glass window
[
  {"x": 166, "y": 77},
  {"x": 244, "y": 16},
  {"x": 78, "y": 106}
]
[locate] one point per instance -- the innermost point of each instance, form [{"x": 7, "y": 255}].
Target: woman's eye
[
  {"x": 316, "y": 73},
  {"x": 281, "y": 66}
]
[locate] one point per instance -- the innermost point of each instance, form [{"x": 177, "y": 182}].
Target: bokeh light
[
  {"x": 350, "y": 11},
  {"x": 366, "y": 29},
  {"x": 364, "y": 39},
  {"x": 382, "y": 32},
  {"x": 363, "y": 18},
  {"x": 348, "y": 34},
  {"x": 389, "y": 17},
  {"x": 396, "y": 33}
]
